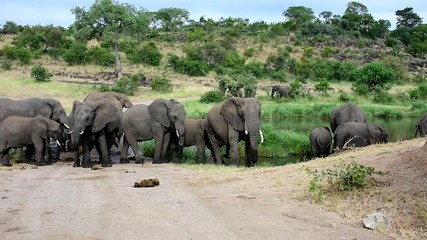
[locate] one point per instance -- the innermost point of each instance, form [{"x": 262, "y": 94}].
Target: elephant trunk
[
  {"x": 75, "y": 138},
  {"x": 252, "y": 151}
]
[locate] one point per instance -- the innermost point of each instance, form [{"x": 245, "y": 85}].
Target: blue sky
[{"x": 57, "y": 12}]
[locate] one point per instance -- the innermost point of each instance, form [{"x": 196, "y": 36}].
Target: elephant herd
[
  {"x": 103, "y": 118},
  {"x": 349, "y": 127}
]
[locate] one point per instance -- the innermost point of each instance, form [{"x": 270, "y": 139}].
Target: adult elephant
[
  {"x": 95, "y": 123},
  {"x": 320, "y": 141},
  {"x": 421, "y": 126},
  {"x": 17, "y": 132},
  {"x": 194, "y": 136},
  {"x": 348, "y": 112},
  {"x": 31, "y": 107},
  {"x": 359, "y": 134},
  {"x": 156, "y": 121},
  {"x": 122, "y": 98},
  {"x": 281, "y": 91},
  {"x": 234, "y": 120}
]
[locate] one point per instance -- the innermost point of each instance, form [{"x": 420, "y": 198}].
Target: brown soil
[{"x": 205, "y": 202}]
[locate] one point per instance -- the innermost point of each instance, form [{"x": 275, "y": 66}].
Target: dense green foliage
[
  {"x": 212, "y": 97},
  {"x": 161, "y": 84},
  {"x": 40, "y": 73}
]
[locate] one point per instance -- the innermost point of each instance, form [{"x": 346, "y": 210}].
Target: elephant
[
  {"x": 320, "y": 142},
  {"x": 122, "y": 98},
  {"x": 421, "y": 126},
  {"x": 348, "y": 112},
  {"x": 194, "y": 135},
  {"x": 282, "y": 91},
  {"x": 31, "y": 107},
  {"x": 359, "y": 134},
  {"x": 95, "y": 123},
  {"x": 234, "y": 120},
  {"x": 156, "y": 121},
  {"x": 18, "y": 131}
]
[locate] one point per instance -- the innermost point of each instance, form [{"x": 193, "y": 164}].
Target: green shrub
[
  {"x": 344, "y": 97},
  {"x": 249, "y": 52},
  {"x": 24, "y": 55},
  {"x": 322, "y": 86},
  {"x": 9, "y": 52},
  {"x": 126, "y": 85},
  {"x": 77, "y": 54},
  {"x": 343, "y": 177},
  {"x": 40, "y": 73},
  {"x": 212, "y": 97},
  {"x": 419, "y": 93},
  {"x": 327, "y": 52},
  {"x": 237, "y": 85},
  {"x": 374, "y": 76},
  {"x": 233, "y": 60},
  {"x": 101, "y": 56},
  {"x": 256, "y": 68},
  {"x": 279, "y": 76},
  {"x": 383, "y": 97},
  {"x": 150, "y": 54},
  {"x": 161, "y": 84},
  {"x": 187, "y": 66}
]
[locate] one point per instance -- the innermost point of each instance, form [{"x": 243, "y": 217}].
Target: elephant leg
[
  {"x": 76, "y": 158},
  {"x": 214, "y": 145},
  {"x": 125, "y": 149},
  {"x": 158, "y": 142},
  {"x": 201, "y": 151},
  {"x": 102, "y": 141},
  {"x": 86, "y": 153},
  {"x": 131, "y": 140},
  {"x": 5, "y": 158},
  {"x": 165, "y": 145},
  {"x": 29, "y": 152},
  {"x": 227, "y": 150},
  {"x": 233, "y": 139}
]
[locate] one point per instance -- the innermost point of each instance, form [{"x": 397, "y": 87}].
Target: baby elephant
[
  {"x": 359, "y": 134},
  {"x": 17, "y": 132},
  {"x": 320, "y": 141}
]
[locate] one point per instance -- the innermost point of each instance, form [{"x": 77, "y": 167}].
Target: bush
[
  {"x": 161, "y": 84},
  {"x": 279, "y": 76},
  {"x": 237, "y": 85},
  {"x": 374, "y": 76},
  {"x": 344, "y": 97},
  {"x": 383, "y": 97},
  {"x": 212, "y": 97},
  {"x": 322, "y": 86},
  {"x": 150, "y": 54},
  {"x": 6, "y": 65},
  {"x": 40, "y": 73},
  {"x": 419, "y": 93},
  {"x": 187, "y": 66},
  {"x": 101, "y": 56},
  {"x": 249, "y": 52},
  {"x": 255, "y": 68},
  {"x": 77, "y": 54},
  {"x": 126, "y": 85},
  {"x": 24, "y": 55},
  {"x": 342, "y": 178}
]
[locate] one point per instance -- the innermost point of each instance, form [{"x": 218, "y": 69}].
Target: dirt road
[{"x": 62, "y": 202}]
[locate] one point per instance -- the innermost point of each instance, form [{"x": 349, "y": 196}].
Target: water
[{"x": 398, "y": 130}]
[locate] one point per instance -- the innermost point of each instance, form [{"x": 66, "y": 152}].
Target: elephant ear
[
  {"x": 158, "y": 110},
  {"x": 374, "y": 131},
  {"x": 105, "y": 112},
  {"x": 124, "y": 100},
  {"x": 76, "y": 103},
  {"x": 39, "y": 124},
  {"x": 232, "y": 111}
]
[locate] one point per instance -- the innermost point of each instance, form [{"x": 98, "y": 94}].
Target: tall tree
[
  {"x": 299, "y": 14},
  {"x": 110, "y": 22},
  {"x": 357, "y": 18},
  {"x": 407, "y": 18}
]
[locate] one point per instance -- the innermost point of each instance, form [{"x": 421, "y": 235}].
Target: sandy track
[{"x": 62, "y": 202}]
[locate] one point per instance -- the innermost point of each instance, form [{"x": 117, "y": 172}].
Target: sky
[{"x": 58, "y": 12}]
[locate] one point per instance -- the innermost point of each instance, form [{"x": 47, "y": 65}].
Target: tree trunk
[{"x": 118, "y": 66}]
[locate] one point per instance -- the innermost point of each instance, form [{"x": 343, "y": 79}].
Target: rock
[{"x": 376, "y": 220}]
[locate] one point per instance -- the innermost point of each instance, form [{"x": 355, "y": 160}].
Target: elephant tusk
[
  {"x": 69, "y": 132},
  {"x": 177, "y": 133},
  {"x": 246, "y": 132},
  {"x": 57, "y": 142},
  {"x": 81, "y": 132},
  {"x": 68, "y": 127},
  {"x": 262, "y": 137}
]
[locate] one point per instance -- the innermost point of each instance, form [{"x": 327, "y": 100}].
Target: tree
[
  {"x": 299, "y": 14},
  {"x": 407, "y": 18},
  {"x": 41, "y": 37},
  {"x": 357, "y": 18},
  {"x": 10, "y": 28},
  {"x": 326, "y": 15},
  {"x": 110, "y": 23},
  {"x": 169, "y": 19}
]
